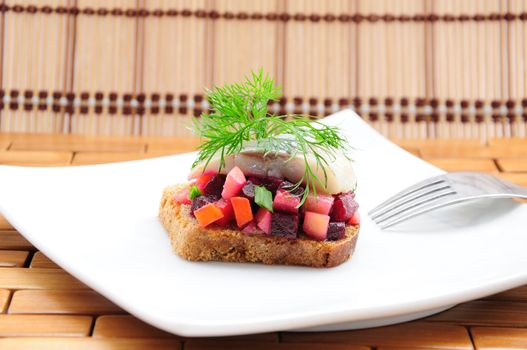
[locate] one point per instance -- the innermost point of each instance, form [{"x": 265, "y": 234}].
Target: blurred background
[{"x": 411, "y": 68}]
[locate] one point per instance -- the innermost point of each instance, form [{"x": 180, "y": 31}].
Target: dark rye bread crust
[{"x": 219, "y": 244}]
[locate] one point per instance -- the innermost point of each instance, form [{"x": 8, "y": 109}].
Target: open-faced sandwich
[{"x": 264, "y": 188}]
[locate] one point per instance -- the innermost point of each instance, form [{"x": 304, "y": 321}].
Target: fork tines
[{"x": 417, "y": 199}]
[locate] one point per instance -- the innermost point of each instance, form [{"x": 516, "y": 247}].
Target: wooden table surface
[{"x": 40, "y": 304}]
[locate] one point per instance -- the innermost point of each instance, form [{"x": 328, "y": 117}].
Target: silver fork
[{"x": 441, "y": 191}]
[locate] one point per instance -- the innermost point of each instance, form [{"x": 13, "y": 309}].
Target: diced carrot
[
  {"x": 242, "y": 210},
  {"x": 207, "y": 214}
]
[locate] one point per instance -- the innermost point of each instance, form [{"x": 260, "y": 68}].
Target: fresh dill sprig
[{"x": 239, "y": 114}]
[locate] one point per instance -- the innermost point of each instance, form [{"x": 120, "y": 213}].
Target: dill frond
[{"x": 239, "y": 114}]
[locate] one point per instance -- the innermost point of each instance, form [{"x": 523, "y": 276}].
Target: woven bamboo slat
[{"x": 411, "y": 68}]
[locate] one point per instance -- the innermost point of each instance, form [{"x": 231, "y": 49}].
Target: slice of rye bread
[{"x": 195, "y": 243}]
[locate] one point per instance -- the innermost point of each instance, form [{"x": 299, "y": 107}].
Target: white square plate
[{"x": 100, "y": 224}]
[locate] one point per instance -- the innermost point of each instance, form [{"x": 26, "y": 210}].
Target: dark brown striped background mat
[{"x": 412, "y": 68}]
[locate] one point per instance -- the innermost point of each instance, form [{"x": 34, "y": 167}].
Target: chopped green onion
[
  {"x": 263, "y": 197},
  {"x": 194, "y": 192}
]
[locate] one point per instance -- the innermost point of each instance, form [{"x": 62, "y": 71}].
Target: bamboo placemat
[
  {"x": 412, "y": 68},
  {"x": 43, "y": 307}
]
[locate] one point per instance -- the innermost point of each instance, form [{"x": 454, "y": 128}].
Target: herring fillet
[{"x": 339, "y": 171}]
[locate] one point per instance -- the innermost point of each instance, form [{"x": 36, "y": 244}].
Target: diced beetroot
[
  {"x": 201, "y": 201},
  {"x": 203, "y": 180},
  {"x": 263, "y": 220},
  {"x": 344, "y": 207},
  {"x": 256, "y": 180},
  {"x": 182, "y": 196},
  {"x": 316, "y": 225},
  {"x": 233, "y": 183},
  {"x": 215, "y": 185},
  {"x": 286, "y": 185},
  {"x": 336, "y": 231},
  {"x": 355, "y": 219},
  {"x": 226, "y": 209},
  {"x": 270, "y": 182},
  {"x": 250, "y": 228},
  {"x": 284, "y": 225},
  {"x": 286, "y": 202},
  {"x": 248, "y": 190},
  {"x": 319, "y": 204}
]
